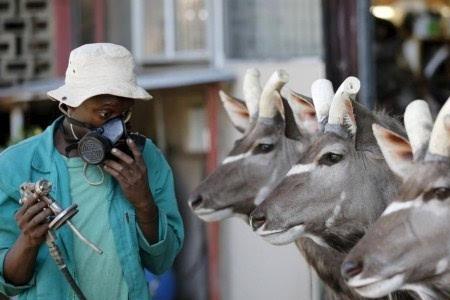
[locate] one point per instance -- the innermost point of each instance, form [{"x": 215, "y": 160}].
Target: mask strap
[
  {"x": 73, "y": 131},
  {"x": 72, "y": 121},
  {"x": 127, "y": 116},
  {"x": 93, "y": 183},
  {"x": 60, "y": 107}
]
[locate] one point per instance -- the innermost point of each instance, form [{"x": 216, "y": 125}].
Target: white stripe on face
[
  {"x": 230, "y": 159},
  {"x": 398, "y": 205},
  {"x": 262, "y": 230},
  {"x": 441, "y": 266},
  {"x": 421, "y": 290},
  {"x": 265, "y": 190},
  {"x": 317, "y": 239},
  {"x": 211, "y": 215},
  {"x": 376, "y": 287},
  {"x": 298, "y": 169},
  {"x": 262, "y": 194},
  {"x": 281, "y": 237},
  {"x": 336, "y": 211}
]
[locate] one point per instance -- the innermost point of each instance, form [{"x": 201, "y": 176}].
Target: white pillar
[
  {"x": 161, "y": 139},
  {"x": 16, "y": 123},
  {"x": 216, "y": 34}
]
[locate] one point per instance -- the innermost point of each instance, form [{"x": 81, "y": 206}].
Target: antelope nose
[
  {"x": 196, "y": 201},
  {"x": 257, "y": 221},
  {"x": 351, "y": 268}
]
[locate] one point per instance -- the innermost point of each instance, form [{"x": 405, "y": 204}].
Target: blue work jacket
[{"x": 37, "y": 158}]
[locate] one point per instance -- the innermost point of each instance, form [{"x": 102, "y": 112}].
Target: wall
[
  {"x": 25, "y": 41},
  {"x": 118, "y": 32},
  {"x": 251, "y": 268},
  {"x": 188, "y": 170}
]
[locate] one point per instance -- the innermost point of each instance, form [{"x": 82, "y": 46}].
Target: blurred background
[{"x": 186, "y": 50}]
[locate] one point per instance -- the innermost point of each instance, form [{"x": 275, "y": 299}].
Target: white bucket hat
[{"x": 96, "y": 69}]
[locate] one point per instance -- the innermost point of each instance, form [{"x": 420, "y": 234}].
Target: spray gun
[{"x": 41, "y": 190}]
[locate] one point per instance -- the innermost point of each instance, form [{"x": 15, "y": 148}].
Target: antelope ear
[
  {"x": 396, "y": 150},
  {"x": 237, "y": 111},
  {"x": 304, "y": 112},
  {"x": 349, "y": 119}
]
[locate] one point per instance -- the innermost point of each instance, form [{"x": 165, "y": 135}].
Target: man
[{"x": 126, "y": 203}]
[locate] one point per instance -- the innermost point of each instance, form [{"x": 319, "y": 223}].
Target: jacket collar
[{"x": 43, "y": 155}]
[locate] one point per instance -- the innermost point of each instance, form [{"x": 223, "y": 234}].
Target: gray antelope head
[
  {"x": 409, "y": 246},
  {"x": 274, "y": 135},
  {"x": 338, "y": 187}
]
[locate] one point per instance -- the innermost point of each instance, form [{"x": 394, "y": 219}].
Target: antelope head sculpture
[
  {"x": 334, "y": 192},
  {"x": 409, "y": 246},
  {"x": 275, "y": 133}
]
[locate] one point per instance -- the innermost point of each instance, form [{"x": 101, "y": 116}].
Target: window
[
  {"x": 275, "y": 29},
  {"x": 170, "y": 30}
]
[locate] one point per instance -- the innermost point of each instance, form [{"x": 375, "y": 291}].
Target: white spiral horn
[
  {"x": 270, "y": 94},
  {"x": 252, "y": 90},
  {"x": 339, "y": 115},
  {"x": 418, "y": 124},
  {"x": 439, "y": 141},
  {"x": 322, "y": 93}
]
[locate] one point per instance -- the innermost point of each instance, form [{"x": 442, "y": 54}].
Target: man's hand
[
  {"x": 20, "y": 260},
  {"x": 32, "y": 221},
  {"x": 132, "y": 177}
]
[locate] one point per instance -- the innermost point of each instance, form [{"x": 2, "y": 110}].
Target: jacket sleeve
[
  {"x": 159, "y": 257},
  {"x": 9, "y": 232}
]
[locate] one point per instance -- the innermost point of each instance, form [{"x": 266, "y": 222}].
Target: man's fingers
[
  {"x": 122, "y": 179},
  {"x": 134, "y": 149},
  {"x": 41, "y": 217},
  {"x": 38, "y": 220},
  {"x": 128, "y": 172},
  {"x": 31, "y": 212},
  {"x": 40, "y": 231},
  {"x": 28, "y": 200},
  {"x": 114, "y": 165},
  {"x": 20, "y": 212},
  {"x": 122, "y": 156}
]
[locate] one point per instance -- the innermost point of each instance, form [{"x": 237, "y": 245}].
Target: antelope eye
[
  {"x": 330, "y": 158},
  {"x": 265, "y": 148},
  {"x": 440, "y": 193}
]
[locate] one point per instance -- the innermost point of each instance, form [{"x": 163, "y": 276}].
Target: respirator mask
[{"x": 95, "y": 146}]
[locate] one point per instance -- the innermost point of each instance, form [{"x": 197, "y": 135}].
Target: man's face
[{"x": 97, "y": 110}]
